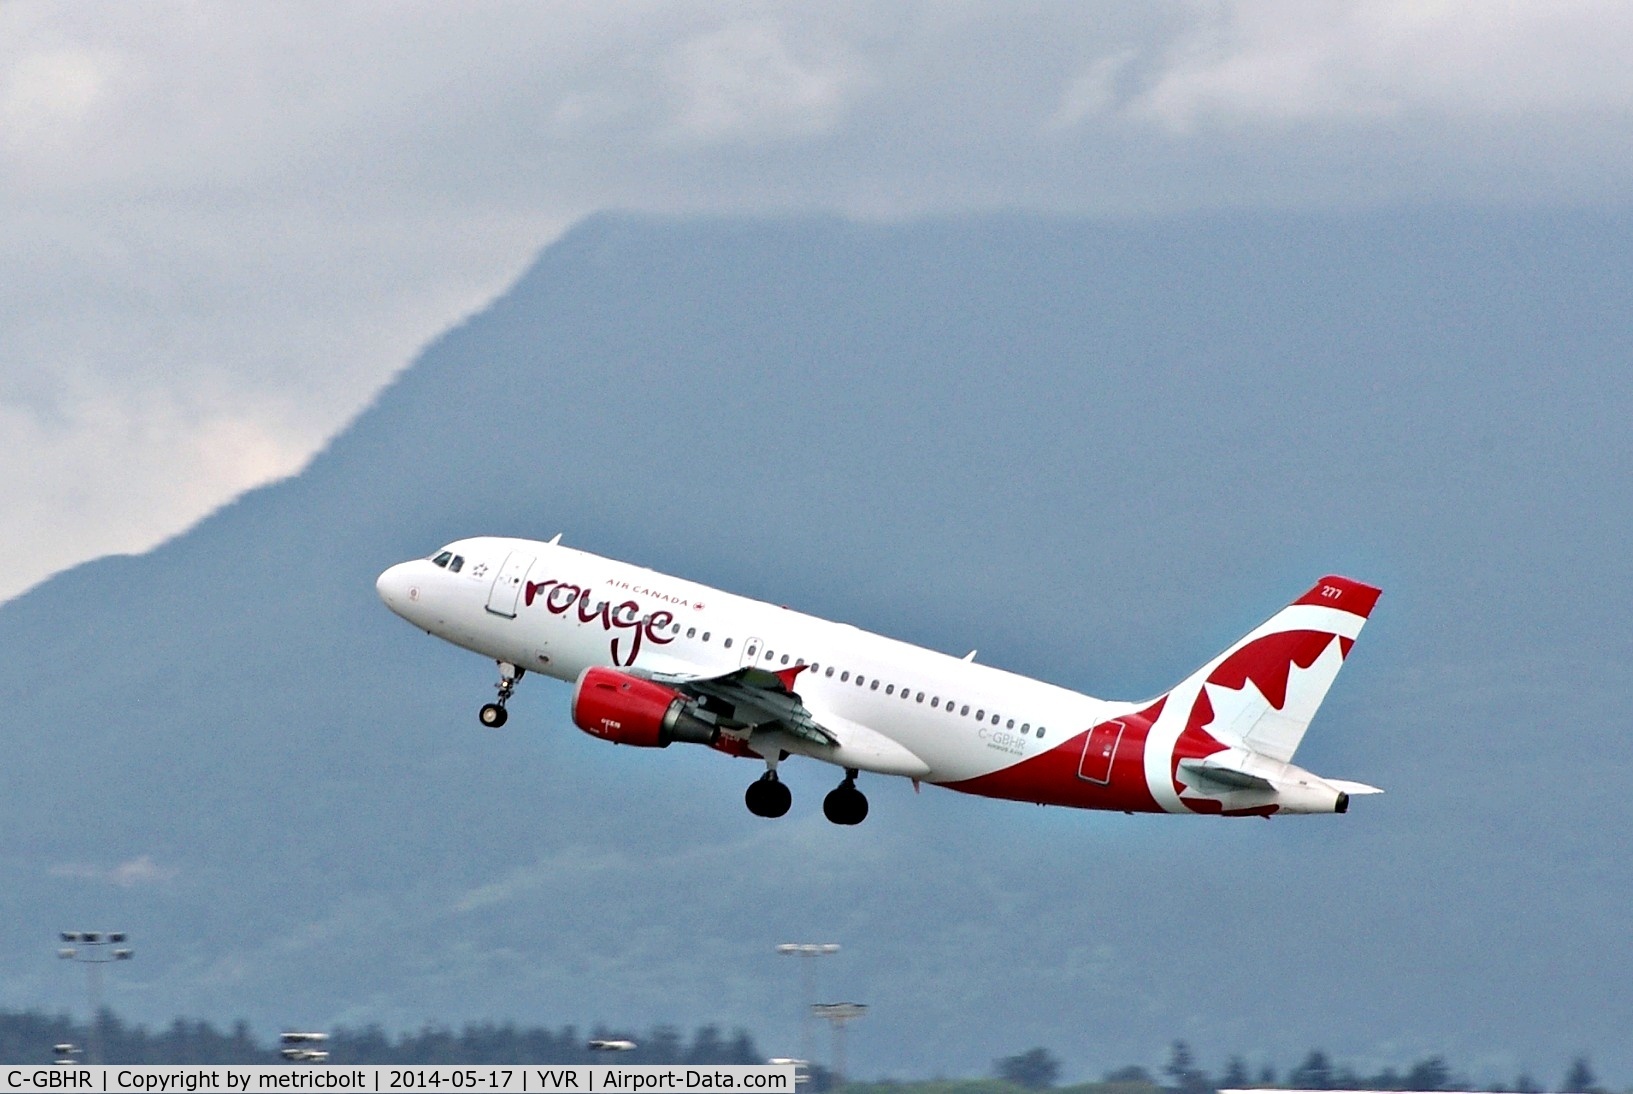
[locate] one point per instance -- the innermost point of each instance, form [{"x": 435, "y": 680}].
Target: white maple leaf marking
[{"x": 1244, "y": 718}]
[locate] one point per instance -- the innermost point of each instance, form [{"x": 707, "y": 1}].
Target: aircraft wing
[{"x": 750, "y": 699}]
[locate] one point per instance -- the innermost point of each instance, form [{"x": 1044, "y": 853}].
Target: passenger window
[
  {"x": 751, "y": 650},
  {"x": 769, "y": 655},
  {"x": 705, "y": 636},
  {"x": 875, "y": 685},
  {"x": 994, "y": 719},
  {"x": 728, "y": 645},
  {"x": 890, "y": 689},
  {"x": 860, "y": 681},
  {"x": 966, "y": 711},
  {"x": 830, "y": 671},
  {"x": 1040, "y": 733},
  {"x": 691, "y": 632},
  {"x": 785, "y": 659},
  {"x": 1011, "y": 724},
  {"x": 920, "y": 699},
  {"x": 936, "y": 703},
  {"x": 980, "y": 715},
  {"x": 1026, "y": 729},
  {"x": 846, "y": 675}
]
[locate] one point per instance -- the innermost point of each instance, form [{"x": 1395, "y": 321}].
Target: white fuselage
[
  {"x": 961, "y": 718},
  {"x": 1221, "y": 741}
]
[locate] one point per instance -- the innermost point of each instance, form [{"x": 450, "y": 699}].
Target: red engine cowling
[{"x": 628, "y": 710}]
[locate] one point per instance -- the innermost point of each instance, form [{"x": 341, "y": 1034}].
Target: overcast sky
[{"x": 227, "y": 225}]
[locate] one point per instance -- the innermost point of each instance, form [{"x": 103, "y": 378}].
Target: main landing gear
[
  {"x": 493, "y": 715},
  {"x": 845, "y": 804},
  {"x": 767, "y": 796}
]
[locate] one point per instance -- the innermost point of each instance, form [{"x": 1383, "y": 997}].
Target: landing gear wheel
[
  {"x": 767, "y": 797},
  {"x": 493, "y": 715},
  {"x": 845, "y": 804}
]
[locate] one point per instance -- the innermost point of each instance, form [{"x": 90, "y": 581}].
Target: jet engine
[{"x": 628, "y": 710}]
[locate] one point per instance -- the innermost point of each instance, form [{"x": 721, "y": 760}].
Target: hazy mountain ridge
[{"x": 1096, "y": 451}]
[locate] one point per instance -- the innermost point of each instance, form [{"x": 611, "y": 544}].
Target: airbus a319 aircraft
[{"x": 657, "y": 660}]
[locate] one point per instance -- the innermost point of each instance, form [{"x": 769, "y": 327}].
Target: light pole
[
  {"x": 93, "y": 949},
  {"x": 839, "y": 1014},
  {"x": 805, "y": 951}
]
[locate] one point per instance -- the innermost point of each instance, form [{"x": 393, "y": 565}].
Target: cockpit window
[
  {"x": 444, "y": 558},
  {"x": 457, "y": 564}
]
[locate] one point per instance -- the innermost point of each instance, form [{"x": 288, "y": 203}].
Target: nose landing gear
[
  {"x": 493, "y": 715},
  {"x": 845, "y": 804}
]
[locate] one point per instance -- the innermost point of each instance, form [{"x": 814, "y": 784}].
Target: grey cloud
[
  {"x": 246, "y": 217},
  {"x": 142, "y": 870}
]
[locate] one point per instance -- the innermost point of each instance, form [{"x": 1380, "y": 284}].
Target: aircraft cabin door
[
  {"x": 507, "y": 587},
  {"x": 751, "y": 651},
  {"x": 1098, "y": 751}
]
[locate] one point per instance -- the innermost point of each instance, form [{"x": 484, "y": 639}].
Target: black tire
[
  {"x": 845, "y": 805},
  {"x": 838, "y": 805},
  {"x": 492, "y": 715},
  {"x": 767, "y": 798},
  {"x": 778, "y": 799}
]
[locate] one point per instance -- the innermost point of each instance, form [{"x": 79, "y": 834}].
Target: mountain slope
[{"x": 1096, "y": 451}]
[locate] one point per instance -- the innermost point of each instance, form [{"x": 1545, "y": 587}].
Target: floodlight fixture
[{"x": 93, "y": 949}]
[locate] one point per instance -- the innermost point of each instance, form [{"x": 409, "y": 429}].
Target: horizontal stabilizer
[
  {"x": 1225, "y": 774},
  {"x": 1353, "y": 788}
]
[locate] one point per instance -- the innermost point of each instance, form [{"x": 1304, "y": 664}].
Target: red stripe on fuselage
[{"x": 1053, "y": 777}]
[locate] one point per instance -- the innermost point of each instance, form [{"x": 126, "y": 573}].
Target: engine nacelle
[{"x": 628, "y": 710}]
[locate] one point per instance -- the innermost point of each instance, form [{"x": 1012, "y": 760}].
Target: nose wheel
[
  {"x": 767, "y": 796},
  {"x": 845, "y": 804},
  {"x": 493, "y": 715}
]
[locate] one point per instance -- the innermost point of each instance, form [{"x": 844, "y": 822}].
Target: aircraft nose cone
[{"x": 394, "y": 586}]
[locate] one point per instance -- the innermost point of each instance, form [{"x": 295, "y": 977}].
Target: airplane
[
  {"x": 612, "y": 1046},
  {"x": 655, "y": 660}
]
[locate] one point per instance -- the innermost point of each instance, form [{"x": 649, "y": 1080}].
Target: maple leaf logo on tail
[{"x": 1250, "y": 707}]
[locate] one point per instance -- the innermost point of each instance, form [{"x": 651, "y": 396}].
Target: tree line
[
  {"x": 30, "y": 1037},
  {"x": 1037, "y": 1070}
]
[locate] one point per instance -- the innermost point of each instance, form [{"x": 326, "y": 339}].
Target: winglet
[{"x": 788, "y": 674}]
